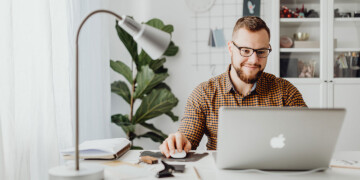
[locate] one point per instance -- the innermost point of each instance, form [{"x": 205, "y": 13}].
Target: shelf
[
  {"x": 299, "y": 20},
  {"x": 357, "y": 19},
  {"x": 299, "y": 49},
  {"x": 346, "y": 49},
  {"x": 295, "y": 22},
  {"x": 315, "y": 80}
]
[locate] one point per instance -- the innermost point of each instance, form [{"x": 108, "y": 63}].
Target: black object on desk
[
  {"x": 190, "y": 156},
  {"x": 178, "y": 167},
  {"x": 167, "y": 171}
]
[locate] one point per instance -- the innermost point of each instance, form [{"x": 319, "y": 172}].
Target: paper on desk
[
  {"x": 125, "y": 170},
  {"x": 350, "y": 164}
]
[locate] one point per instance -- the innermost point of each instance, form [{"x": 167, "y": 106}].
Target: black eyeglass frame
[{"x": 253, "y": 50}]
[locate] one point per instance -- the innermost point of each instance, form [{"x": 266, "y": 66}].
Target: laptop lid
[{"x": 277, "y": 138}]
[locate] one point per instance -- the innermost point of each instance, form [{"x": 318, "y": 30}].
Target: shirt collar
[{"x": 229, "y": 85}]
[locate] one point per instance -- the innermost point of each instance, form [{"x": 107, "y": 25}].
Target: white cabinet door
[
  {"x": 348, "y": 96},
  {"x": 313, "y": 94}
]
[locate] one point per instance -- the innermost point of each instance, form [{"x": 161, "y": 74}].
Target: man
[{"x": 243, "y": 84}]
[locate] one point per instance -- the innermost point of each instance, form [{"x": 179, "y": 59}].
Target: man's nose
[{"x": 254, "y": 59}]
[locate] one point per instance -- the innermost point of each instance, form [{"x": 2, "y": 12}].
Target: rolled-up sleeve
[{"x": 193, "y": 123}]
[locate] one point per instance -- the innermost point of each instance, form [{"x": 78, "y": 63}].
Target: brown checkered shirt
[{"x": 202, "y": 107}]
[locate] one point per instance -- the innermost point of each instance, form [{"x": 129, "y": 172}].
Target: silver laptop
[{"x": 277, "y": 138}]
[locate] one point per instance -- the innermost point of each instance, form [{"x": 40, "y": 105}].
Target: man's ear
[{"x": 229, "y": 46}]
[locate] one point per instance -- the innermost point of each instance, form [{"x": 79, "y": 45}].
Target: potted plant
[{"x": 147, "y": 86}]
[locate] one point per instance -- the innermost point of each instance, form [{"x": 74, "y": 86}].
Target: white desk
[{"x": 207, "y": 170}]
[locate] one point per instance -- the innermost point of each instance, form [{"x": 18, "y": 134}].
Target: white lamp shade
[{"x": 153, "y": 41}]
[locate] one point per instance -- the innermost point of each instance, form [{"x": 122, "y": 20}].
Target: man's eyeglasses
[{"x": 247, "y": 52}]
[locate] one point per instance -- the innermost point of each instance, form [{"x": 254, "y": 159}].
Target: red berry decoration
[{"x": 286, "y": 11}]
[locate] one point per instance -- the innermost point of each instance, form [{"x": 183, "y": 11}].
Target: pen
[{"x": 197, "y": 173}]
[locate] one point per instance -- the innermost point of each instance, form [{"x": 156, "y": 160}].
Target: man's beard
[{"x": 241, "y": 74}]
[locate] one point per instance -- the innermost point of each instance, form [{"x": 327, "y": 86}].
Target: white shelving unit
[
  {"x": 344, "y": 89},
  {"x": 323, "y": 29},
  {"x": 334, "y": 87},
  {"x": 311, "y": 88}
]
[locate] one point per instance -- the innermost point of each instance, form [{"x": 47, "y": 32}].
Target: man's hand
[{"x": 177, "y": 140}]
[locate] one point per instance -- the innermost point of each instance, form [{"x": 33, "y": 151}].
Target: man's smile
[{"x": 251, "y": 66}]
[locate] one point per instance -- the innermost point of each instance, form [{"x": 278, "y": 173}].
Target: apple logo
[{"x": 278, "y": 142}]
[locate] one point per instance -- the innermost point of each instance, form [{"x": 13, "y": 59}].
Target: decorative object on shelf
[
  {"x": 307, "y": 69},
  {"x": 289, "y": 67},
  {"x": 153, "y": 41},
  {"x": 200, "y": 5},
  {"x": 285, "y": 12},
  {"x": 312, "y": 14},
  {"x": 356, "y": 14},
  {"x": 338, "y": 14},
  {"x": 354, "y": 61},
  {"x": 286, "y": 42},
  {"x": 339, "y": 65},
  {"x": 147, "y": 86},
  {"x": 347, "y": 65},
  {"x": 301, "y": 36},
  {"x": 251, "y": 8},
  {"x": 346, "y": 14},
  {"x": 306, "y": 44}
]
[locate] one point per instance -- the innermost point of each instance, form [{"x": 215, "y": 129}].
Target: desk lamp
[{"x": 154, "y": 42}]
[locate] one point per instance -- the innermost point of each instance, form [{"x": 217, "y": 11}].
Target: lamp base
[{"x": 86, "y": 172}]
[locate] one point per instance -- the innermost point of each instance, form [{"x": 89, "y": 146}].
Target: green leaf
[
  {"x": 168, "y": 28},
  {"x": 122, "y": 69},
  {"x": 147, "y": 80},
  {"x": 161, "y": 70},
  {"x": 156, "y": 64},
  {"x": 153, "y": 128},
  {"x": 124, "y": 122},
  {"x": 136, "y": 148},
  {"x": 171, "y": 50},
  {"x": 162, "y": 86},
  {"x": 154, "y": 104},
  {"x": 155, "y": 137},
  {"x": 172, "y": 116},
  {"x": 128, "y": 41},
  {"x": 121, "y": 89},
  {"x": 144, "y": 59},
  {"x": 156, "y": 23}
]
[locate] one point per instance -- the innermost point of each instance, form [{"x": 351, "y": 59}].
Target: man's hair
[{"x": 251, "y": 23}]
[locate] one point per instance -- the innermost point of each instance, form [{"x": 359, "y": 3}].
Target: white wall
[{"x": 184, "y": 76}]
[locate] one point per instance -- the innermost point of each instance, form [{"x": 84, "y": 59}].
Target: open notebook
[{"x": 99, "y": 149}]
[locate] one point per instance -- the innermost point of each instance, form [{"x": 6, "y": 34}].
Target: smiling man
[{"x": 243, "y": 84}]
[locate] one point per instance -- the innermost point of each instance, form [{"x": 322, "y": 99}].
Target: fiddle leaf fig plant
[{"x": 146, "y": 86}]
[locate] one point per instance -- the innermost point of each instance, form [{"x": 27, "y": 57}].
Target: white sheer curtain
[
  {"x": 36, "y": 83},
  {"x": 94, "y": 68}
]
